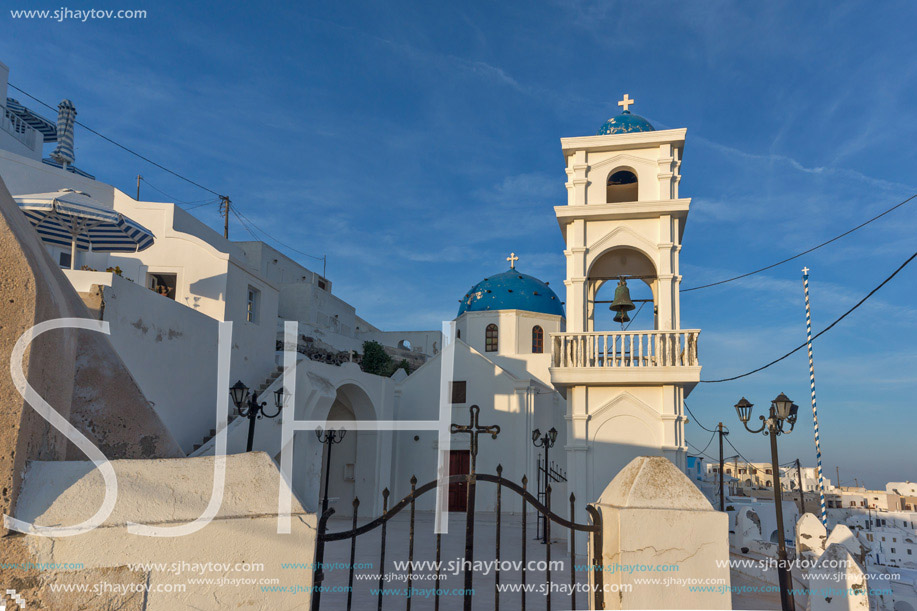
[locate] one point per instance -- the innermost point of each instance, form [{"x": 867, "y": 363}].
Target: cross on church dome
[
  {"x": 512, "y": 258},
  {"x": 626, "y": 102}
]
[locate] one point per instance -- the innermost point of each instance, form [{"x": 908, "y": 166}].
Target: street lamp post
[
  {"x": 782, "y": 411},
  {"x": 330, "y": 437},
  {"x": 248, "y": 407},
  {"x": 545, "y": 441}
]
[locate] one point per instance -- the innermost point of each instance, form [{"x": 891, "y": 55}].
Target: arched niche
[
  {"x": 353, "y": 459},
  {"x": 621, "y": 186},
  {"x": 639, "y": 272}
]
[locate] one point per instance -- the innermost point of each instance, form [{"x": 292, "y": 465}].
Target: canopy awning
[{"x": 73, "y": 218}]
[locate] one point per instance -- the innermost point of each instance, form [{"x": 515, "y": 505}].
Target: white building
[{"x": 611, "y": 395}]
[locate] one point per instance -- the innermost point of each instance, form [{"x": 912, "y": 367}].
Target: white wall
[
  {"x": 514, "y": 339},
  {"x": 168, "y": 493},
  {"x": 171, "y": 351},
  {"x": 505, "y": 400},
  {"x": 23, "y": 176}
]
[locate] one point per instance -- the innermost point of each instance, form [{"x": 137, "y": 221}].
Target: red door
[{"x": 459, "y": 462}]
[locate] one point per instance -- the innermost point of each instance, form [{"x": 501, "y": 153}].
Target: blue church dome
[
  {"x": 511, "y": 290},
  {"x": 625, "y": 123}
]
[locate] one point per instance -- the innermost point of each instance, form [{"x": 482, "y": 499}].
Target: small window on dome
[
  {"x": 490, "y": 338},
  {"x": 621, "y": 187},
  {"x": 537, "y": 340}
]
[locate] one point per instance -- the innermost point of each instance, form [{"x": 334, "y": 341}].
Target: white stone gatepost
[
  {"x": 837, "y": 582},
  {"x": 656, "y": 524}
]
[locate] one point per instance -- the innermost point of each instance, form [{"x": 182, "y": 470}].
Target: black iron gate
[{"x": 471, "y": 479}]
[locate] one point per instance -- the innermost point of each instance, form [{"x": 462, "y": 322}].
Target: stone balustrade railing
[{"x": 626, "y": 349}]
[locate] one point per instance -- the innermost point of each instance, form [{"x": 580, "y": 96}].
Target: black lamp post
[
  {"x": 248, "y": 407},
  {"x": 782, "y": 411},
  {"x": 329, "y": 437},
  {"x": 545, "y": 441}
]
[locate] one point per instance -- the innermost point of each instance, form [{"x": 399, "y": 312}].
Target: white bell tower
[{"x": 623, "y": 219}]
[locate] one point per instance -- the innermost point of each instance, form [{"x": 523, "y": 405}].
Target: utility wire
[
  {"x": 820, "y": 333},
  {"x": 708, "y": 443},
  {"x": 805, "y": 252},
  {"x": 696, "y": 421},
  {"x": 207, "y": 203},
  {"x": 247, "y": 223},
  {"x": 742, "y": 456},
  {"x": 252, "y": 223},
  {"x": 242, "y": 222},
  {"x": 714, "y": 431},
  {"x": 121, "y": 146},
  {"x": 699, "y": 452},
  {"x": 172, "y": 197},
  {"x": 637, "y": 313}
]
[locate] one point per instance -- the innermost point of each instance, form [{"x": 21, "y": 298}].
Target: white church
[{"x": 610, "y": 383}]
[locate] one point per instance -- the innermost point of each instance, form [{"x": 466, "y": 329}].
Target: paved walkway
[
  {"x": 369, "y": 545},
  {"x": 368, "y": 549}
]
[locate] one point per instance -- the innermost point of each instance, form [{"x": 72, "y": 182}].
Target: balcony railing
[
  {"x": 626, "y": 349},
  {"x": 19, "y": 129}
]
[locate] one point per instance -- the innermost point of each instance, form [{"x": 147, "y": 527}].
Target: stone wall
[
  {"x": 219, "y": 566},
  {"x": 76, "y": 372}
]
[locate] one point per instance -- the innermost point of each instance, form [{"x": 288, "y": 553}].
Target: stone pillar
[
  {"x": 810, "y": 536},
  {"x": 837, "y": 582},
  {"x": 842, "y": 535},
  {"x": 653, "y": 515}
]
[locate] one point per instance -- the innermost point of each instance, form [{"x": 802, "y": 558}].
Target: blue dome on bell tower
[{"x": 626, "y": 122}]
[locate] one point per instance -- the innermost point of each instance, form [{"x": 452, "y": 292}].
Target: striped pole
[{"x": 821, "y": 477}]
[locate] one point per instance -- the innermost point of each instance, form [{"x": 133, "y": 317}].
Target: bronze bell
[
  {"x": 622, "y": 302},
  {"x": 621, "y": 317}
]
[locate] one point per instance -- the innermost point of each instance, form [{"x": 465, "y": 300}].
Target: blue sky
[{"x": 417, "y": 144}]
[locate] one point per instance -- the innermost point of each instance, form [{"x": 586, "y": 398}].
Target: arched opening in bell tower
[
  {"x": 639, "y": 274},
  {"x": 621, "y": 186}
]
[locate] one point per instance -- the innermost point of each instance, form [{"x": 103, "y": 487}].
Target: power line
[
  {"x": 121, "y": 146},
  {"x": 805, "y": 252},
  {"x": 172, "y": 197},
  {"x": 637, "y": 313},
  {"x": 708, "y": 442},
  {"x": 742, "y": 456},
  {"x": 243, "y": 223},
  {"x": 820, "y": 333},
  {"x": 714, "y": 433},
  {"x": 252, "y": 223},
  {"x": 700, "y": 452},
  {"x": 696, "y": 421},
  {"x": 247, "y": 223},
  {"x": 207, "y": 203}
]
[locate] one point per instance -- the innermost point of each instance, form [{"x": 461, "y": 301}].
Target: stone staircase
[{"x": 278, "y": 371}]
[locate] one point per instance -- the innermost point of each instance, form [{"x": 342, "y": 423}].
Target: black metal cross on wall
[{"x": 474, "y": 429}]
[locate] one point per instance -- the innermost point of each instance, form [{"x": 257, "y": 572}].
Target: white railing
[
  {"x": 626, "y": 349},
  {"x": 19, "y": 129}
]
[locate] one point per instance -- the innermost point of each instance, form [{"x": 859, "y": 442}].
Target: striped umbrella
[
  {"x": 66, "y": 116},
  {"x": 73, "y": 218}
]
